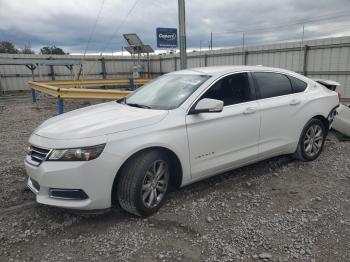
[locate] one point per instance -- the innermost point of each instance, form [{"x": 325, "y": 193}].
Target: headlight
[{"x": 76, "y": 154}]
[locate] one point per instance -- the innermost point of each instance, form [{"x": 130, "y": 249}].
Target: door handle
[
  {"x": 294, "y": 102},
  {"x": 249, "y": 110}
]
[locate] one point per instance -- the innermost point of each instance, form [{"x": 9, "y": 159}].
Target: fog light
[{"x": 68, "y": 194}]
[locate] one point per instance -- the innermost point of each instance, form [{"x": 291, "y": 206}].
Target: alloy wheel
[
  {"x": 155, "y": 183},
  {"x": 313, "y": 140}
]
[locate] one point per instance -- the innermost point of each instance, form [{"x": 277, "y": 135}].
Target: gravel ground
[{"x": 275, "y": 210}]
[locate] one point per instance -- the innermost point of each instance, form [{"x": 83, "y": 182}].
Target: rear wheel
[
  {"x": 144, "y": 183},
  {"x": 311, "y": 141}
]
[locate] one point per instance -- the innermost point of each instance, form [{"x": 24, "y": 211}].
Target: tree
[
  {"x": 27, "y": 50},
  {"x": 8, "y": 48},
  {"x": 51, "y": 50}
]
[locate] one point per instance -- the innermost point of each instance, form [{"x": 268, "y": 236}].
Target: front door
[{"x": 221, "y": 141}]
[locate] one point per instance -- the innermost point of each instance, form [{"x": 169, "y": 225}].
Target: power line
[
  {"x": 110, "y": 39},
  {"x": 120, "y": 25},
  {"x": 329, "y": 28},
  {"x": 345, "y": 28},
  {"x": 79, "y": 71},
  {"x": 94, "y": 26},
  {"x": 300, "y": 22}
]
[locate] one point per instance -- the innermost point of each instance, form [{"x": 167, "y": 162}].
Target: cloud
[{"x": 68, "y": 24}]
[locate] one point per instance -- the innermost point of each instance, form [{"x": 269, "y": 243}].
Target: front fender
[{"x": 124, "y": 146}]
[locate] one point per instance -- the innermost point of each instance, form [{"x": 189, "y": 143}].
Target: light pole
[{"x": 182, "y": 31}]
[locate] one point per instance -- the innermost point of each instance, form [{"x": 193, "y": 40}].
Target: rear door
[
  {"x": 281, "y": 112},
  {"x": 220, "y": 141}
]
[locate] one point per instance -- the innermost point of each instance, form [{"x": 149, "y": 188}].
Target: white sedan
[{"x": 180, "y": 128}]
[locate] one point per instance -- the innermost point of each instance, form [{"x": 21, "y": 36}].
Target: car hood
[{"x": 97, "y": 120}]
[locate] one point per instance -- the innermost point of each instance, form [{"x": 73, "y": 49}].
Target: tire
[
  {"x": 311, "y": 141},
  {"x": 144, "y": 183}
]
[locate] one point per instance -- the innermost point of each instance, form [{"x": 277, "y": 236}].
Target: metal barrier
[
  {"x": 88, "y": 83},
  {"x": 73, "y": 89}
]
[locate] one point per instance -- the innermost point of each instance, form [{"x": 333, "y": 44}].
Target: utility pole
[{"x": 182, "y": 31}]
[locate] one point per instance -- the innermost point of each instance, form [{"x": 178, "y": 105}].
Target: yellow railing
[
  {"x": 75, "y": 89},
  {"x": 93, "y": 82}
]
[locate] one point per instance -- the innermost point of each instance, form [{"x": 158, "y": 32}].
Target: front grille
[{"x": 38, "y": 154}]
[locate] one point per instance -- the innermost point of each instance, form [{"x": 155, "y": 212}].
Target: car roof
[{"x": 215, "y": 70}]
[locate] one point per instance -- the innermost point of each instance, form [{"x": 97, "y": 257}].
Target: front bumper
[{"x": 95, "y": 178}]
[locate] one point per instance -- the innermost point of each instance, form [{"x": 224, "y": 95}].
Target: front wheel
[
  {"x": 311, "y": 141},
  {"x": 144, "y": 183}
]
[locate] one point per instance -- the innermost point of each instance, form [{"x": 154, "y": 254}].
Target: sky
[{"x": 70, "y": 24}]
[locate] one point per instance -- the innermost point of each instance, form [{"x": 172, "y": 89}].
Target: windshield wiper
[
  {"x": 121, "y": 100},
  {"x": 137, "y": 105}
]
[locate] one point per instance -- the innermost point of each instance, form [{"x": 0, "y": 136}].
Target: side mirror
[{"x": 207, "y": 105}]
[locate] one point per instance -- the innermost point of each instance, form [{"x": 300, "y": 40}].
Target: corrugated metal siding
[
  {"x": 326, "y": 59},
  {"x": 167, "y": 65}
]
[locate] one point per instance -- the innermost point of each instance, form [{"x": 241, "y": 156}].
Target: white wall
[{"x": 327, "y": 58}]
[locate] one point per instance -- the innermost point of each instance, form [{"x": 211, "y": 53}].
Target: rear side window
[
  {"x": 272, "y": 84},
  {"x": 298, "y": 85}
]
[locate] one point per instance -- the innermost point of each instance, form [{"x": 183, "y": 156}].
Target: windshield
[{"x": 166, "y": 92}]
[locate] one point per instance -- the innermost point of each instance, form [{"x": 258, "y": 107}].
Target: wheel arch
[
  {"x": 320, "y": 117},
  {"x": 323, "y": 120},
  {"x": 176, "y": 177},
  {"x": 298, "y": 154}
]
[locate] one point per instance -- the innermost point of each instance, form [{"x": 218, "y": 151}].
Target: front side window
[
  {"x": 233, "y": 89},
  {"x": 272, "y": 84},
  {"x": 166, "y": 92}
]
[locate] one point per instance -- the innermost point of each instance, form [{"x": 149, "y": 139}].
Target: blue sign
[{"x": 166, "y": 37}]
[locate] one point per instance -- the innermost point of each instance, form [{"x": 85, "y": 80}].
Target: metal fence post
[
  {"x": 33, "y": 95},
  {"x": 132, "y": 84},
  {"x": 148, "y": 66},
  {"x": 245, "y": 57},
  {"x": 160, "y": 65},
  {"x": 60, "y": 105},
  {"x": 103, "y": 66},
  {"x": 205, "y": 60},
  {"x": 1, "y": 89},
  {"x": 175, "y": 64},
  {"x": 52, "y": 72},
  {"x": 306, "y": 54},
  {"x": 32, "y": 68},
  {"x": 39, "y": 71}
]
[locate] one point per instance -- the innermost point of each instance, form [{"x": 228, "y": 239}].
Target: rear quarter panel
[{"x": 319, "y": 102}]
